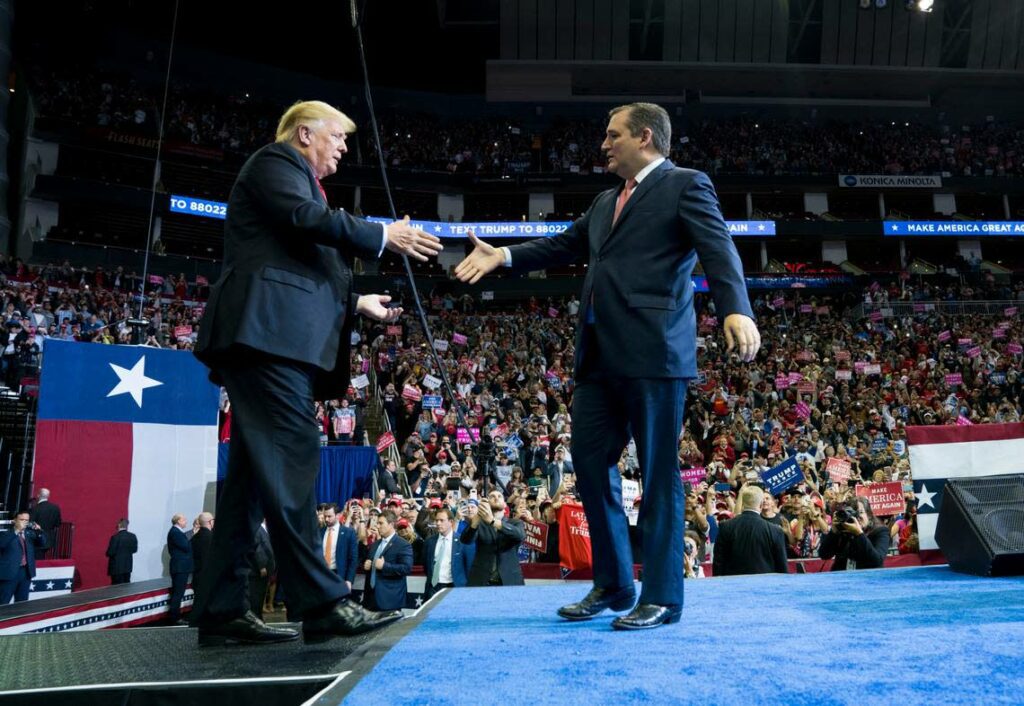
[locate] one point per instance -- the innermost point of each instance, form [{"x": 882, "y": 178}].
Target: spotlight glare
[{"x": 925, "y": 5}]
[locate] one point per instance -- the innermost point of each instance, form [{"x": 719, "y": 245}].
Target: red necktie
[
  {"x": 322, "y": 192},
  {"x": 24, "y": 549},
  {"x": 624, "y": 195}
]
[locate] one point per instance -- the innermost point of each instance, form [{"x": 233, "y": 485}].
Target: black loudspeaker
[{"x": 981, "y": 525}]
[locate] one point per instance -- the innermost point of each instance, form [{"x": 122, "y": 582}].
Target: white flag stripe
[
  {"x": 966, "y": 459},
  {"x": 171, "y": 466},
  {"x": 926, "y": 525}
]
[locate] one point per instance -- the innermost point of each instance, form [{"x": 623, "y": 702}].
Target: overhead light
[
  {"x": 921, "y": 5},
  {"x": 865, "y": 4}
]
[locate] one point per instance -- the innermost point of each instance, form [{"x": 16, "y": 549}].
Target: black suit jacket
[
  {"x": 47, "y": 515},
  {"x": 119, "y": 552},
  {"x": 286, "y": 284},
  {"x": 640, "y": 267},
  {"x": 390, "y": 589},
  {"x": 262, "y": 554},
  {"x": 201, "y": 542},
  {"x": 749, "y": 544},
  {"x": 180, "y": 550},
  {"x": 495, "y": 546}
]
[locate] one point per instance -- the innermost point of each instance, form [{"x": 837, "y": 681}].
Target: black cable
[{"x": 357, "y": 25}]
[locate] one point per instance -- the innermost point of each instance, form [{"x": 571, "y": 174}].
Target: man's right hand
[
  {"x": 483, "y": 260},
  {"x": 403, "y": 239}
]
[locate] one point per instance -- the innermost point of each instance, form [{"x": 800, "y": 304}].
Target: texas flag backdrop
[{"x": 124, "y": 431}]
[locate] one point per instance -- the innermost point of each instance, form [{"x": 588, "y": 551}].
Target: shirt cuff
[
  {"x": 508, "y": 256},
  {"x": 383, "y": 238}
]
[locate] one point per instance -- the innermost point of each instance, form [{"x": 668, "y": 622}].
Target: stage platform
[{"x": 907, "y": 636}]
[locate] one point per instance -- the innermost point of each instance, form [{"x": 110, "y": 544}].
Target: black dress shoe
[
  {"x": 597, "y": 600},
  {"x": 246, "y": 629},
  {"x": 346, "y": 618},
  {"x": 647, "y": 615}
]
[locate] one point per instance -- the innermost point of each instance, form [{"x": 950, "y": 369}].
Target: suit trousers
[
  {"x": 120, "y": 578},
  {"x": 273, "y": 462},
  {"x": 179, "y": 581},
  {"x": 257, "y": 593},
  {"x": 16, "y": 588},
  {"x": 606, "y": 411}
]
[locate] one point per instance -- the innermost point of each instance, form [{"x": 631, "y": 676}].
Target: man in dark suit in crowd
[
  {"x": 46, "y": 514},
  {"x": 749, "y": 544},
  {"x": 181, "y": 566},
  {"x": 122, "y": 545},
  {"x": 261, "y": 568},
  {"x": 202, "y": 541},
  {"x": 18, "y": 547},
  {"x": 497, "y": 539},
  {"x": 387, "y": 479},
  {"x": 276, "y": 333},
  {"x": 636, "y": 350},
  {"x": 445, "y": 558},
  {"x": 389, "y": 563},
  {"x": 341, "y": 547},
  {"x": 556, "y": 471}
]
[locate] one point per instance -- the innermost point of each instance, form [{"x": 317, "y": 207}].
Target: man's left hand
[
  {"x": 374, "y": 306},
  {"x": 379, "y": 563},
  {"x": 741, "y": 334}
]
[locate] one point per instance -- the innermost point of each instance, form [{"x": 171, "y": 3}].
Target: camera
[{"x": 844, "y": 514}]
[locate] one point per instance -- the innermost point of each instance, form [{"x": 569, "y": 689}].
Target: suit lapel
[{"x": 642, "y": 189}]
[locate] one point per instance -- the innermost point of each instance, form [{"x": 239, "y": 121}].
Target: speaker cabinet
[{"x": 981, "y": 525}]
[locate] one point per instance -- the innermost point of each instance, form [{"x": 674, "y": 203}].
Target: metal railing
[
  {"x": 949, "y": 308},
  {"x": 391, "y": 453}
]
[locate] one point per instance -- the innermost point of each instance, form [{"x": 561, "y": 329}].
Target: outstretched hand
[
  {"x": 483, "y": 260},
  {"x": 375, "y": 307},
  {"x": 406, "y": 240}
]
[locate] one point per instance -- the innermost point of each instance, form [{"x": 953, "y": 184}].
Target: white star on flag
[
  {"x": 895, "y": 228},
  {"x": 67, "y": 584},
  {"x": 49, "y": 585},
  {"x": 133, "y": 381},
  {"x": 437, "y": 229},
  {"x": 419, "y": 602},
  {"x": 31, "y": 587},
  {"x": 760, "y": 226},
  {"x": 925, "y": 498}
]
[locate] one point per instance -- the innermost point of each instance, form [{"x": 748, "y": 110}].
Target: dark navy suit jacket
[
  {"x": 346, "y": 552},
  {"x": 640, "y": 269},
  {"x": 462, "y": 559},
  {"x": 390, "y": 589},
  {"x": 180, "y": 550},
  {"x": 10, "y": 552}
]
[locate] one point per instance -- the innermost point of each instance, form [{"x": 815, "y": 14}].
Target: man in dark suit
[
  {"x": 749, "y": 544},
  {"x": 341, "y": 547},
  {"x": 445, "y": 558},
  {"x": 556, "y": 471},
  {"x": 389, "y": 563},
  {"x": 46, "y": 514},
  {"x": 18, "y": 547},
  {"x": 636, "y": 349},
  {"x": 202, "y": 541},
  {"x": 276, "y": 334},
  {"x": 261, "y": 568},
  {"x": 497, "y": 539},
  {"x": 122, "y": 545},
  {"x": 181, "y": 566}
]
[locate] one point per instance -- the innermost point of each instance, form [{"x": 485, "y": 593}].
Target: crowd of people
[{"x": 236, "y": 125}]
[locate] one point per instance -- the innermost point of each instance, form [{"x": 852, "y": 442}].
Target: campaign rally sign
[
  {"x": 838, "y": 470},
  {"x": 781, "y": 382},
  {"x": 394, "y": 330},
  {"x": 806, "y": 308},
  {"x": 879, "y": 444},
  {"x": 411, "y": 393},
  {"x": 873, "y": 369},
  {"x": 844, "y": 375},
  {"x": 487, "y": 296},
  {"x": 875, "y": 316},
  {"x": 997, "y": 378},
  {"x": 794, "y": 378},
  {"x": 778, "y": 301},
  {"x": 805, "y": 386},
  {"x": 974, "y": 352},
  {"x": 954, "y": 379},
  {"x": 1010, "y": 311},
  {"x": 822, "y": 311},
  {"x": 432, "y": 401},
  {"x": 124, "y": 431},
  {"x": 440, "y": 344},
  {"x": 462, "y": 436},
  {"x": 458, "y": 339},
  {"x": 630, "y": 492},
  {"x": 693, "y": 475},
  {"x": 182, "y": 331},
  {"x": 432, "y": 382},
  {"x": 802, "y": 410},
  {"x": 842, "y": 355},
  {"x": 964, "y": 342},
  {"x": 1014, "y": 348},
  {"x": 536, "y": 535},
  {"x": 781, "y": 477},
  {"x": 360, "y": 381},
  {"x": 885, "y": 498},
  {"x": 385, "y": 440},
  {"x": 944, "y": 336}
]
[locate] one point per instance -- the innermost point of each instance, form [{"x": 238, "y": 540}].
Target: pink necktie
[{"x": 624, "y": 195}]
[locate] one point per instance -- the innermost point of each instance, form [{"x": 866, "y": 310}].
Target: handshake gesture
[{"x": 402, "y": 239}]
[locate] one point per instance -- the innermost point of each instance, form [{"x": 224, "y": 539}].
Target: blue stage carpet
[{"x": 890, "y": 636}]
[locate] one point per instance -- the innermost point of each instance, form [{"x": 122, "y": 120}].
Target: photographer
[
  {"x": 18, "y": 548},
  {"x": 857, "y": 539}
]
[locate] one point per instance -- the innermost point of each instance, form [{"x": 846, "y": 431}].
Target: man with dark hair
[
  {"x": 641, "y": 242},
  {"x": 389, "y": 563},
  {"x": 341, "y": 548},
  {"x": 123, "y": 544},
  {"x": 446, "y": 560},
  {"x": 497, "y": 539},
  {"x": 18, "y": 557}
]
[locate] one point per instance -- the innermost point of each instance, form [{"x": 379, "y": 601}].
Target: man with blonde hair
[
  {"x": 276, "y": 334},
  {"x": 749, "y": 544}
]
